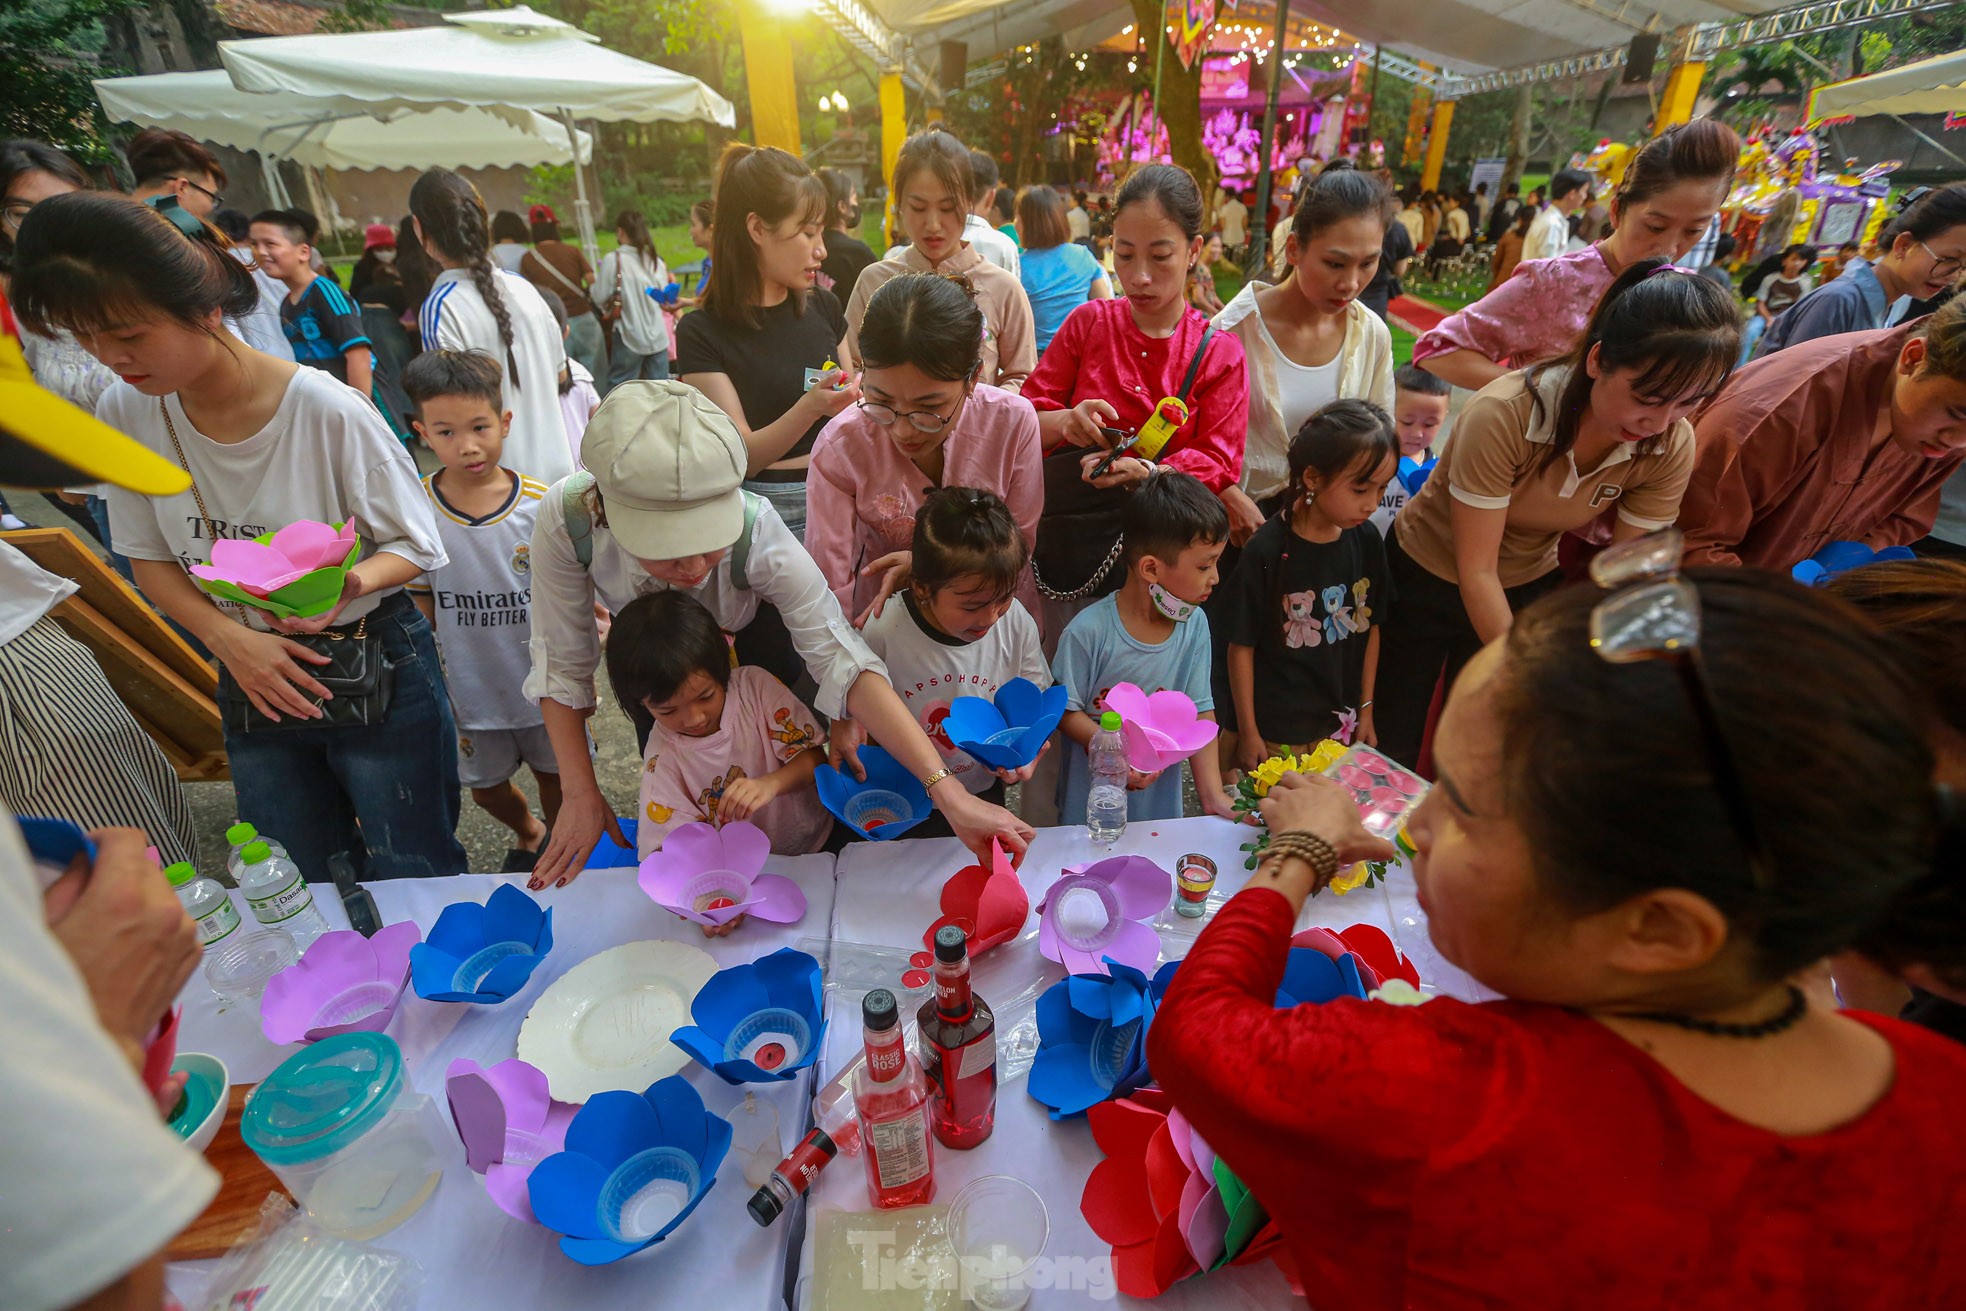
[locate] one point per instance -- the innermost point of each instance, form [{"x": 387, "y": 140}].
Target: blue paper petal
[
  {"x": 543, "y": 943},
  {"x": 564, "y": 1190},
  {"x": 788, "y": 976},
  {"x": 612, "y": 1127},
  {"x": 459, "y": 930},
  {"x": 679, "y": 1117},
  {"x": 1164, "y": 976},
  {"x": 1019, "y": 702},
  {"x": 884, "y": 773},
  {"x": 1061, "y": 1078},
  {"x": 432, "y": 971},
  {"x": 1309, "y": 976},
  {"x": 1058, "y": 1019},
  {"x": 599, "y": 1251},
  {"x": 973, "y": 717},
  {"x": 718, "y": 1132},
  {"x": 506, "y": 977},
  {"x": 1353, "y": 982},
  {"x": 727, "y": 997},
  {"x": 512, "y": 916},
  {"x": 706, "y": 1049}
]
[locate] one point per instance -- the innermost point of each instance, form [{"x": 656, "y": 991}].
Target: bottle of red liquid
[
  {"x": 959, "y": 1047},
  {"x": 891, "y": 1096}
]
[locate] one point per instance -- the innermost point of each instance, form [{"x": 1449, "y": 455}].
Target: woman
[
  {"x": 1671, "y": 191},
  {"x": 767, "y": 343},
  {"x": 1058, "y": 275},
  {"x": 1841, "y": 439},
  {"x": 931, "y": 188},
  {"x": 1921, "y": 251},
  {"x": 419, "y": 273},
  {"x": 475, "y": 306},
  {"x": 1652, "y": 1087},
  {"x": 923, "y": 423},
  {"x": 1508, "y": 251},
  {"x": 846, "y": 255},
  {"x": 1309, "y": 341},
  {"x": 1536, "y": 454},
  {"x": 1430, "y": 218},
  {"x": 663, "y": 509},
  {"x": 266, "y": 444},
  {"x": 629, "y": 273},
  {"x": 558, "y": 269},
  {"x": 1201, "y": 282},
  {"x": 509, "y": 237}
]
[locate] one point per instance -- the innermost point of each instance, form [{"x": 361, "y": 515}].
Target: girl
[
  {"x": 932, "y": 189},
  {"x": 661, "y": 510},
  {"x": 1653, "y": 1086},
  {"x": 266, "y": 444},
  {"x": 1672, "y": 189},
  {"x": 1508, "y": 251},
  {"x": 1303, "y": 610},
  {"x": 628, "y": 274},
  {"x": 474, "y": 305},
  {"x": 1309, "y": 341},
  {"x": 510, "y": 236},
  {"x": 766, "y": 345},
  {"x": 958, "y": 629},
  {"x": 1201, "y": 282},
  {"x": 922, "y": 424},
  {"x": 1541, "y": 452},
  {"x": 1923, "y": 250},
  {"x": 1058, "y": 275}
]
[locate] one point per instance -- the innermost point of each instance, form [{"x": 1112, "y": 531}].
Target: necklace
[{"x": 1787, "y": 1018}]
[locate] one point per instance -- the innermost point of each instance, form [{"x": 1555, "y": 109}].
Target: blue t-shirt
[
  {"x": 1058, "y": 279},
  {"x": 322, "y": 325},
  {"x": 1095, "y": 653},
  {"x": 1852, "y": 302}
]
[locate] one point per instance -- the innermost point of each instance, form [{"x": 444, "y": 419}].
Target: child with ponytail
[{"x": 474, "y": 305}]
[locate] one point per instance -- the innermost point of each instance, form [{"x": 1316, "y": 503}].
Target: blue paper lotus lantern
[
  {"x": 485, "y": 953},
  {"x": 1311, "y": 976},
  {"x": 1413, "y": 474},
  {"x": 887, "y": 805},
  {"x": 1092, "y": 1039},
  {"x": 1010, "y": 731},
  {"x": 1841, "y": 557},
  {"x": 757, "y": 1023},
  {"x": 635, "y": 1166}
]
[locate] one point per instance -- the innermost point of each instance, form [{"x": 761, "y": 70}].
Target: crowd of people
[{"x": 796, "y": 514}]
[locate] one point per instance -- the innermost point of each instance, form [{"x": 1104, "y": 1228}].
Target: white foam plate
[{"x": 604, "y": 1025}]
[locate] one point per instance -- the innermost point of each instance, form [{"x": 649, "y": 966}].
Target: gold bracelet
[
  {"x": 928, "y": 784},
  {"x": 1308, "y": 847}
]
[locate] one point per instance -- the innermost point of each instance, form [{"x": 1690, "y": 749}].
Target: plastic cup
[
  {"x": 998, "y": 1227},
  {"x": 238, "y": 969}
]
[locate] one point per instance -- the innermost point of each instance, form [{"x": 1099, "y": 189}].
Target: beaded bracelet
[{"x": 1308, "y": 847}]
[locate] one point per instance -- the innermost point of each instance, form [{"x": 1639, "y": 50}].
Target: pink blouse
[{"x": 1537, "y": 315}]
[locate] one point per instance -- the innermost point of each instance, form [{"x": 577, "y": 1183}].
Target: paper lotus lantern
[
  {"x": 710, "y": 876},
  {"x": 1161, "y": 730},
  {"x": 1009, "y": 731},
  {"x": 1377, "y": 959},
  {"x": 299, "y": 570},
  {"x": 508, "y": 1123},
  {"x": 345, "y": 983},
  {"x": 635, "y": 1166},
  {"x": 989, "y": 906},
  {"x": 1841, "y": 557},
  {"x": 1092, "y": 1040},
  {"x": 758, "y": 1023},
  {"x": 887, "y": 805},
  {"x": 1413, "y": 474},
  {"x": 485, "y": 953},
  {"x": 1093, "y": 913},
  {"x": 1311, "y": 976}
]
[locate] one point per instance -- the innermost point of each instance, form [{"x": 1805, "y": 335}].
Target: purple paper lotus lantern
[
  {"x": 346, "y": 983},
  {"x": 710, "y": 876},
  {"x": 508, "y": 1123},
  {"x": 1095, "y": 911}
]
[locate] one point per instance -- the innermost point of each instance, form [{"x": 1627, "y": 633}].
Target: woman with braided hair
[{"x": 474, "y": 305}]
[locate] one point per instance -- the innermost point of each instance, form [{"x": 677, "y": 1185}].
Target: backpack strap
[
  {"x": 740, "y": 554},
  {"x": 580, "y": 521}
]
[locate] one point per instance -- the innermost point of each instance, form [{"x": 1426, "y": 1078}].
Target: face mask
[
  {"x": 1171, "y": 605},
  {"x": 853, "y": 215},
  {"x": 385, "y": 256}
]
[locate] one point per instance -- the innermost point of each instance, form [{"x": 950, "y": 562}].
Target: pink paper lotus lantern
[
  {"x": 346, "y": 983},
  {"x": 710, "y": 876},
  {"x": 1161, "y": 730},
  {"x": 508, "y": 1123},
  {"x": 1095, "y": 911},
  {"x": 289, "y": 555}
]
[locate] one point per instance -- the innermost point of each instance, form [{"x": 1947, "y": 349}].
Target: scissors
[{"x": 1122, "y": 443}]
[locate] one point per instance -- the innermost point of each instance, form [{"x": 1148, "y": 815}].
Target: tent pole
[
  {"x": 583, "y": 212},
  {"x": 1259, "y": 238}
]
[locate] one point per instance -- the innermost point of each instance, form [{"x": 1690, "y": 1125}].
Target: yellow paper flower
[
  {"x": 1351, "y": 878},
  {"x": 1324, "y": 755}
]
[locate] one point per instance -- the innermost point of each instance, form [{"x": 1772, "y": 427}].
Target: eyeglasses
[
  {"x": 1650, "y": 613},
  {"x": 1942, "y": 267},
  {"x": 924, "y": 420},
  {"x": 206, "y": 192},
  {"x": 14, "y": 213}
]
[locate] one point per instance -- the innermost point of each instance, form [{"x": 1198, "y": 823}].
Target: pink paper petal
[
  {"x": 746, "y": 848},
  {"x": 391, "y": 946},
  {"x": 1321, "y": 940},
  {"x": 523, "y": 1089},
  {"x": 1137, "y": 946},
  {"x": 1183, "y": 1134},
  {"x": 1204, "y": 1221},
  {"x": 1143, "y": 887},
  {"x": 778, "y": 899},
  {"x": 312, "y": 545}
]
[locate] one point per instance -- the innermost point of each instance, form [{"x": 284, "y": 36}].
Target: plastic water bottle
[
  {"x": 241, "y": 836},
  {"x": 278, "y": 895},
  {"x": 1105, "y": 803},
  {"x": 207, "y": 902}
]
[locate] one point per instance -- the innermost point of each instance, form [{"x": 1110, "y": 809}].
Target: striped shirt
[{"x": 455, "y": 317}]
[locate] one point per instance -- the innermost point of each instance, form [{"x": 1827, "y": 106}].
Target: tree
[
  {"x": 51, "y": 49},
  {"x": 1179, "y": 103}
]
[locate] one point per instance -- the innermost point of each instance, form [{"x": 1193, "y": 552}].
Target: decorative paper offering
[
  {"x": 1092, "y": 1037},
  {"x": 346, "y": 983},
  {"x": 508, "y": 1123},
  {"x": 758, "y": 1023},
  {"x": 989, "y": 906},
  {"x": 298, "y": 571},
  {"x": 710, "y": 876},
  {"x": 1009, "y": 731},
  {"x": 1161, "y": 730},
  {"x": 485, "y": 953},
  {"x": 1094, "y": 913},
  {"x": 887, "y": 805}
]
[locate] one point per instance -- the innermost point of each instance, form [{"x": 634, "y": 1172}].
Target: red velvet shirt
[
  {"x": 1516, "y": 1155},
  {"x": 1101, "y": 354}
]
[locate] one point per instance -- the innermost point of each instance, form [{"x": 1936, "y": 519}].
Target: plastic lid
[
  {"x": 180, "y": 873},
  {"x": 323, "y": 1098},
  {"x": 1110, "y": 721},
  {"x": 878, "y": 1010},
  {"x": 951, "y": 944},
  {"x": 255, "y": 852},
  {"x": 241, "y": 832},
  {"x": 765, "y": 1207}
]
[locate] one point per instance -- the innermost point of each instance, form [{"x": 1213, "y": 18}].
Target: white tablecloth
[
  {"x": 474, "y": 1255},
  {"x": 889, "y": 893}
]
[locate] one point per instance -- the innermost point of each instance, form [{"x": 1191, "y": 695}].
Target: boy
[
  {"x": 323, "y": 326},
  {"x": 724, "y": 744},
  {"x": 1150, "y": 633},
  {"x": 480, "y": 603},
  {"x": 1779, "y": 290},
  {"x": 1419, "y": 408}
]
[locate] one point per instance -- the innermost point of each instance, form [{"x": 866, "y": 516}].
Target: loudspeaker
[
  {"x": 1640, "y": 56},
  {"x": 955, "y": 66}
]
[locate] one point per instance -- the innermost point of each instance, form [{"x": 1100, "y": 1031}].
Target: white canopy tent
[
  {"x": 318, "y": 134},
  {"x": 511, "y": 62},
  {"x": 1930, "y": 86}
]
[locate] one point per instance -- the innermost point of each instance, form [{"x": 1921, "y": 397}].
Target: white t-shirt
[
  {"x": 483, "y": 602},
  {"x": 94, "y": 1181},
  {"x": 1391, "y": 502},
  {"x": 261, "y": 329},
  {"x": 324, "y": 455},
  {"x": 992, "y": 244},
  {"x": 456, "y": 317},
  {"x": 508, "y": 254},
  {"x": 27, "y": 591},
  {"x": 1078, "y": 223},
  {"x": 1549, "y": 234},
  {"x": 1234, "y": 215},
  {"x": 1301, "y": 390},
  {"x": 930, "y": 670},
  {"x": 626, "y": 273}
]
